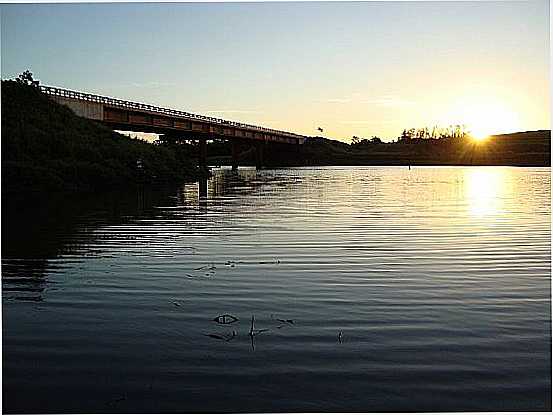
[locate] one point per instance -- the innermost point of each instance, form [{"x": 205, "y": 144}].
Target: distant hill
[
  {"x": 530, "y": 148},
  {"x": 537, "y": 135},
  {"x": 46, "y": 147},
  {"x": 526, "y": 139}
]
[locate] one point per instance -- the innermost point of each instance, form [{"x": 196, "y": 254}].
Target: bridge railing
[{"x": 67, "y": 93}]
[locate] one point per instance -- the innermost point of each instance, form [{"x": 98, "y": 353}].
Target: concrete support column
[
  {"x": 259, "y": 154},
  {"x": 203, "y": 154},
  {"x": 202, "y": 187},
  {"x": 235, "y": 150}
]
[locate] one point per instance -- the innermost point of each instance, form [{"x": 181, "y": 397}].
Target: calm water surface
[{"x": 438, "y": 279}]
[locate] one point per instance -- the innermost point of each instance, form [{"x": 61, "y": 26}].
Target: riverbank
[{"x": 47, "y": 148}]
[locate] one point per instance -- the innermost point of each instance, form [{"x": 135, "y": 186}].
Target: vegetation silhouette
[
  {"x": 450, "y": 146},
  {"x": 46, "y": 147}
]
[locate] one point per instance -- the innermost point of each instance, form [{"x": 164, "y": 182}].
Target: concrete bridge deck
[{"x": 134, "y": 116}]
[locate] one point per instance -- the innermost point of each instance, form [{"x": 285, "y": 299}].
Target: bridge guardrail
[{"x": 67, "y": 93}]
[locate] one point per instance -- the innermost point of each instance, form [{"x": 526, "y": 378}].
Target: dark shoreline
[
  {"x": 46, "y": 148},
  {"x": 530, "y": 149}
]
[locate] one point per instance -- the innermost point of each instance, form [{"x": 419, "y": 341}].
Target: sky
[{"x": 354, "y": 69}]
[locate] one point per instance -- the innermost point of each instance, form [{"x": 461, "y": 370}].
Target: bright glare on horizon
[
  {"x": 479, "y": 137},
  {"x": 483, "y": 117}
]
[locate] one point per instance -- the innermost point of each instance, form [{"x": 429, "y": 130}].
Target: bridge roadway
[{"x": 133, "y": 116}]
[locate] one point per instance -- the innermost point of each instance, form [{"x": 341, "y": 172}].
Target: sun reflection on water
[{"x": 485, "y": 190}]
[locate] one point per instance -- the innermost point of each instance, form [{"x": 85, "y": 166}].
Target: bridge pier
[
  {"x": 202, "y": 154},
  {"x": 235, "y": 151},
  {"x": 259, "y": 154},
  {"x": 202, "y": 187}
]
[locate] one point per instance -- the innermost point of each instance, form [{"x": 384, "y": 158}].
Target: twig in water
[
  {"x": 253, "y": 330},
  {"x": 225, "y": 337},
  {"x": 252, "y": 327},
  {"x": 289, "y": 321},
  {"x": 269, "y": 262},
  {"x": 215, "y": 336}
]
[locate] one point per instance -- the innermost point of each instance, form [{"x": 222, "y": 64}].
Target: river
[{"x": 371, "y": 289}]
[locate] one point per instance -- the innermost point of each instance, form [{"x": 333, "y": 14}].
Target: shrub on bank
[{"x": 45, "y": 146}]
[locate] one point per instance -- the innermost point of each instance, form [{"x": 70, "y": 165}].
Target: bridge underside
[
  {"x": 166, "y": 125},
  {"x": 176, "y": 135},
  {"x": 194, "y": 134},
  {"x": 171, "y": 124}
]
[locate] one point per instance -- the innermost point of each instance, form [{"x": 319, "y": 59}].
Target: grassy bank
[{"x": 46, "y": 147}]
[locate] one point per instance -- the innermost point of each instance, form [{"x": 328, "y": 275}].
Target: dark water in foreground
[{"x": 438, "y": 278}]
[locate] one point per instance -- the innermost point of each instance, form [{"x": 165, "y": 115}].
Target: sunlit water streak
[{"x": 438, "y": 278}]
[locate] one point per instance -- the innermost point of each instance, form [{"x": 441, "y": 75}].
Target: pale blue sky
[{"x": 365, "y": 68}]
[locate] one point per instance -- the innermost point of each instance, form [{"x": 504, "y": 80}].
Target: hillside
[
  {"x": 532, "y": 148},
  {"x": 46, "y": 147}
]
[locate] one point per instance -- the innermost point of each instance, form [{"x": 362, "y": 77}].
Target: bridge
[{"x": 171, "y": 124}]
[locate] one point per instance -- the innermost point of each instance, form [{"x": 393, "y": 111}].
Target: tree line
[
  {"x": 454, "y": 131},
  {"x": 434, "y": 133}
]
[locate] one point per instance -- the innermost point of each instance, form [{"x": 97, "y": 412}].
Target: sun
[
  {"x": 484, "y": 117},
  {"x": 483, "y": 120},
  {"x": 479, "y": 135}
]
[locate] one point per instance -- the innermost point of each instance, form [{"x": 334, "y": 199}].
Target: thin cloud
[
  {"x": 231, "y": 112},
  {"x": 384, "y": 101},
  {"x": 389, "y": 101},
  {"x": 367, "y": 122},
  {"x": 338, "y": 100},
  {"x": 357, "y": 122},
  {"x": 152, "y": 84}
]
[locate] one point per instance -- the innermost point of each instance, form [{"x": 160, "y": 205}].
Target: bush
[{"x": 45, "y": 146}]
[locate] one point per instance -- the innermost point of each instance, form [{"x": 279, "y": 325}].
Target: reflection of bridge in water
[
  {"x": 172, "y": 125},
  {"x": 44, "y": 236},
  {"x": 226, "y": 183}
]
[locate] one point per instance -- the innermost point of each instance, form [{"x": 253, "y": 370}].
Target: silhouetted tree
[
  {"x": 26, "y": 78},
  {"x": 455, "y": 131}
]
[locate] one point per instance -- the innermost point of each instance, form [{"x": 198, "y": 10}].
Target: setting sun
[
  {"x": 479, "y": 136},
  {"x": 483, "y": 117},
  {"x": 485, "y": 120}
]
